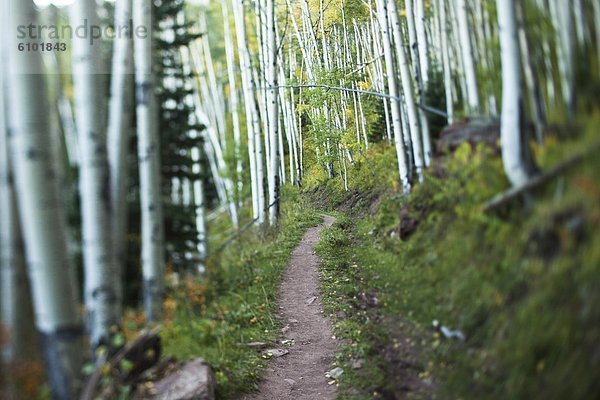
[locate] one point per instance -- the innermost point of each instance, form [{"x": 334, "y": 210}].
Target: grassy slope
[
  {"x": 236, "y": 303},
  {"x": 524, "y": 285}
]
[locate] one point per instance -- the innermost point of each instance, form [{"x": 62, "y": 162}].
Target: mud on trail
[{"x": 300, "y": 374}]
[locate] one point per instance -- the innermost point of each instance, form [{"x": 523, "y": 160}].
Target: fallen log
[{"x": 538, "y": 180}]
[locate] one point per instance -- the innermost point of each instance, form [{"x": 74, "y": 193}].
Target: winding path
[{"x": 300, "y": 374}]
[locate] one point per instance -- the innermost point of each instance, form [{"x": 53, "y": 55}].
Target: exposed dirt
[{"x": 300, "y": 374}]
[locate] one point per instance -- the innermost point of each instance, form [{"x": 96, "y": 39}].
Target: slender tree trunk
[
  {"x": 153, "y": 257},
  {"x": 42, "y": 215},
  {"x": 16, "y": 314},
  {"x": 407, "y": 88},
  {"x": 563, "y": 24},
  {"x": 382, "y": 15},
  {"x": 273, "y": 113},
  {"x": 233, "y": 100},
  {"x": 514, "y": 148},
  {"x": 120, "y": 119},
  {"x": 94, "y": 185},
  {"x": 467, "y": 56},
  {"x": 535, "y": 97},
  {"x": 447, "y": 68}
]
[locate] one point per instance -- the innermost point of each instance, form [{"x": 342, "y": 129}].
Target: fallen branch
[
  {"x": 136, "y": 352},
  {"x": 538, "y": 180}
]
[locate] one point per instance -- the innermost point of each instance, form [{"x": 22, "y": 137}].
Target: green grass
[
  {"x": 236, "y": 303},
  {"x": 523, "y": 284}
]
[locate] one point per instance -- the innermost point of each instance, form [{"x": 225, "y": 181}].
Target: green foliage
[
  {"x": 524, "y": 286},
  {"x": 236, "y": 304}
]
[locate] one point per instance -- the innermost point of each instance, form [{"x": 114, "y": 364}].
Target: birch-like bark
[
  {"x": 273, "y": 113},
  {"x": 407, "y": 88},
  {"x": 153, "y": 256},
  {"x": 42, "y": 214},
  {"x": 446, "y": 66},
  {"x": 94, "y": 187},
  {"x": 16, "y": 314},
  {"x": 120, "y": 118},
  {"x": 467, "y": 56},
  {"x": 535, "y": 97},
  {"x": 382, "y": 15},
  {"x": 514, "y": 148},
  {"x": 563, "y": 24},
  {"x": 251, "y": 107},
  {"x": 420, "y": 23},
  {"x": 233, "y": 99}
]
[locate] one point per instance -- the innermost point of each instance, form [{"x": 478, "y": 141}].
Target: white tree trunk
[
  {"x": 233, "y": 100},
  {"x": 407, "y": 88},
  {"x": 120, "y": 118},
  {"x": 382, "y": 15},
  {"x": 420, "y": 23},
  {"x": 273, "y": 113},
  {"x": 94, "y": 188},
  {"x": 467, "y": 56},
  {"x": 42, "y": 214},
  {"x": 251, "y": 107},
  {"x": 153, "y": 257},
  {"x": 514, "y": 147},
  {"x": 446, "y": 66},
  {"x": 16, "y": 314}
]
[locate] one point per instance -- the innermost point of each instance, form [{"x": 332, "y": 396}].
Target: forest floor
[{"x": 307, "y": 335}]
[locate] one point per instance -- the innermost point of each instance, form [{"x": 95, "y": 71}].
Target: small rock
[
  {"x": 293, "y": 321},
  {"x": 291, "y": 382},
  {"x": 285, "y": 329},
  {"x": 194, "y": 380},
  {"x": 311, "y": 300},
  {"x": 276, "y": 352},
  {"x": 288, "y": 342},
  {"x": 335, "y": 373}
]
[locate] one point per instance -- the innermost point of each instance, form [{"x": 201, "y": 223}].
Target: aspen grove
[{"x": 130, "y": 164}]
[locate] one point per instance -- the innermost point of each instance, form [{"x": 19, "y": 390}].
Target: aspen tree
[
  {"x": 153, "y": 257},
  {"x": 94, "y": 186},
  {"x": 407, "y": 88},
  {"x": 233, "y": 98},
  {"x": 466, "y": 48},
  {"x": 42, "y": 215},
  {"x": 447, "y": 69},
  {"x": 120, "y": 118},
  {"x": 273, "y": 112},
  {"x": 514, "y": 148},
  {"x": 382, "y": 15},
  {"x": 16, "y": 314},
  {"x": 250, "y": 106}
]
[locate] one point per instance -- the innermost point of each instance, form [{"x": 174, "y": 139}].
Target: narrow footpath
[{"x": 307, "y": 335}]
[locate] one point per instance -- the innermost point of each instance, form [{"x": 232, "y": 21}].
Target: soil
[{"x": 300, "y": 374}]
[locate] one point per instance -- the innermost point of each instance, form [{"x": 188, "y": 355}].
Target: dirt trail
[{"x": 300, "y": 374}]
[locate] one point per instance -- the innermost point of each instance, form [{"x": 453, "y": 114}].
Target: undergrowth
[
  {"x": 236, "y": 303},
  {"x": 522, "y": 283}
]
